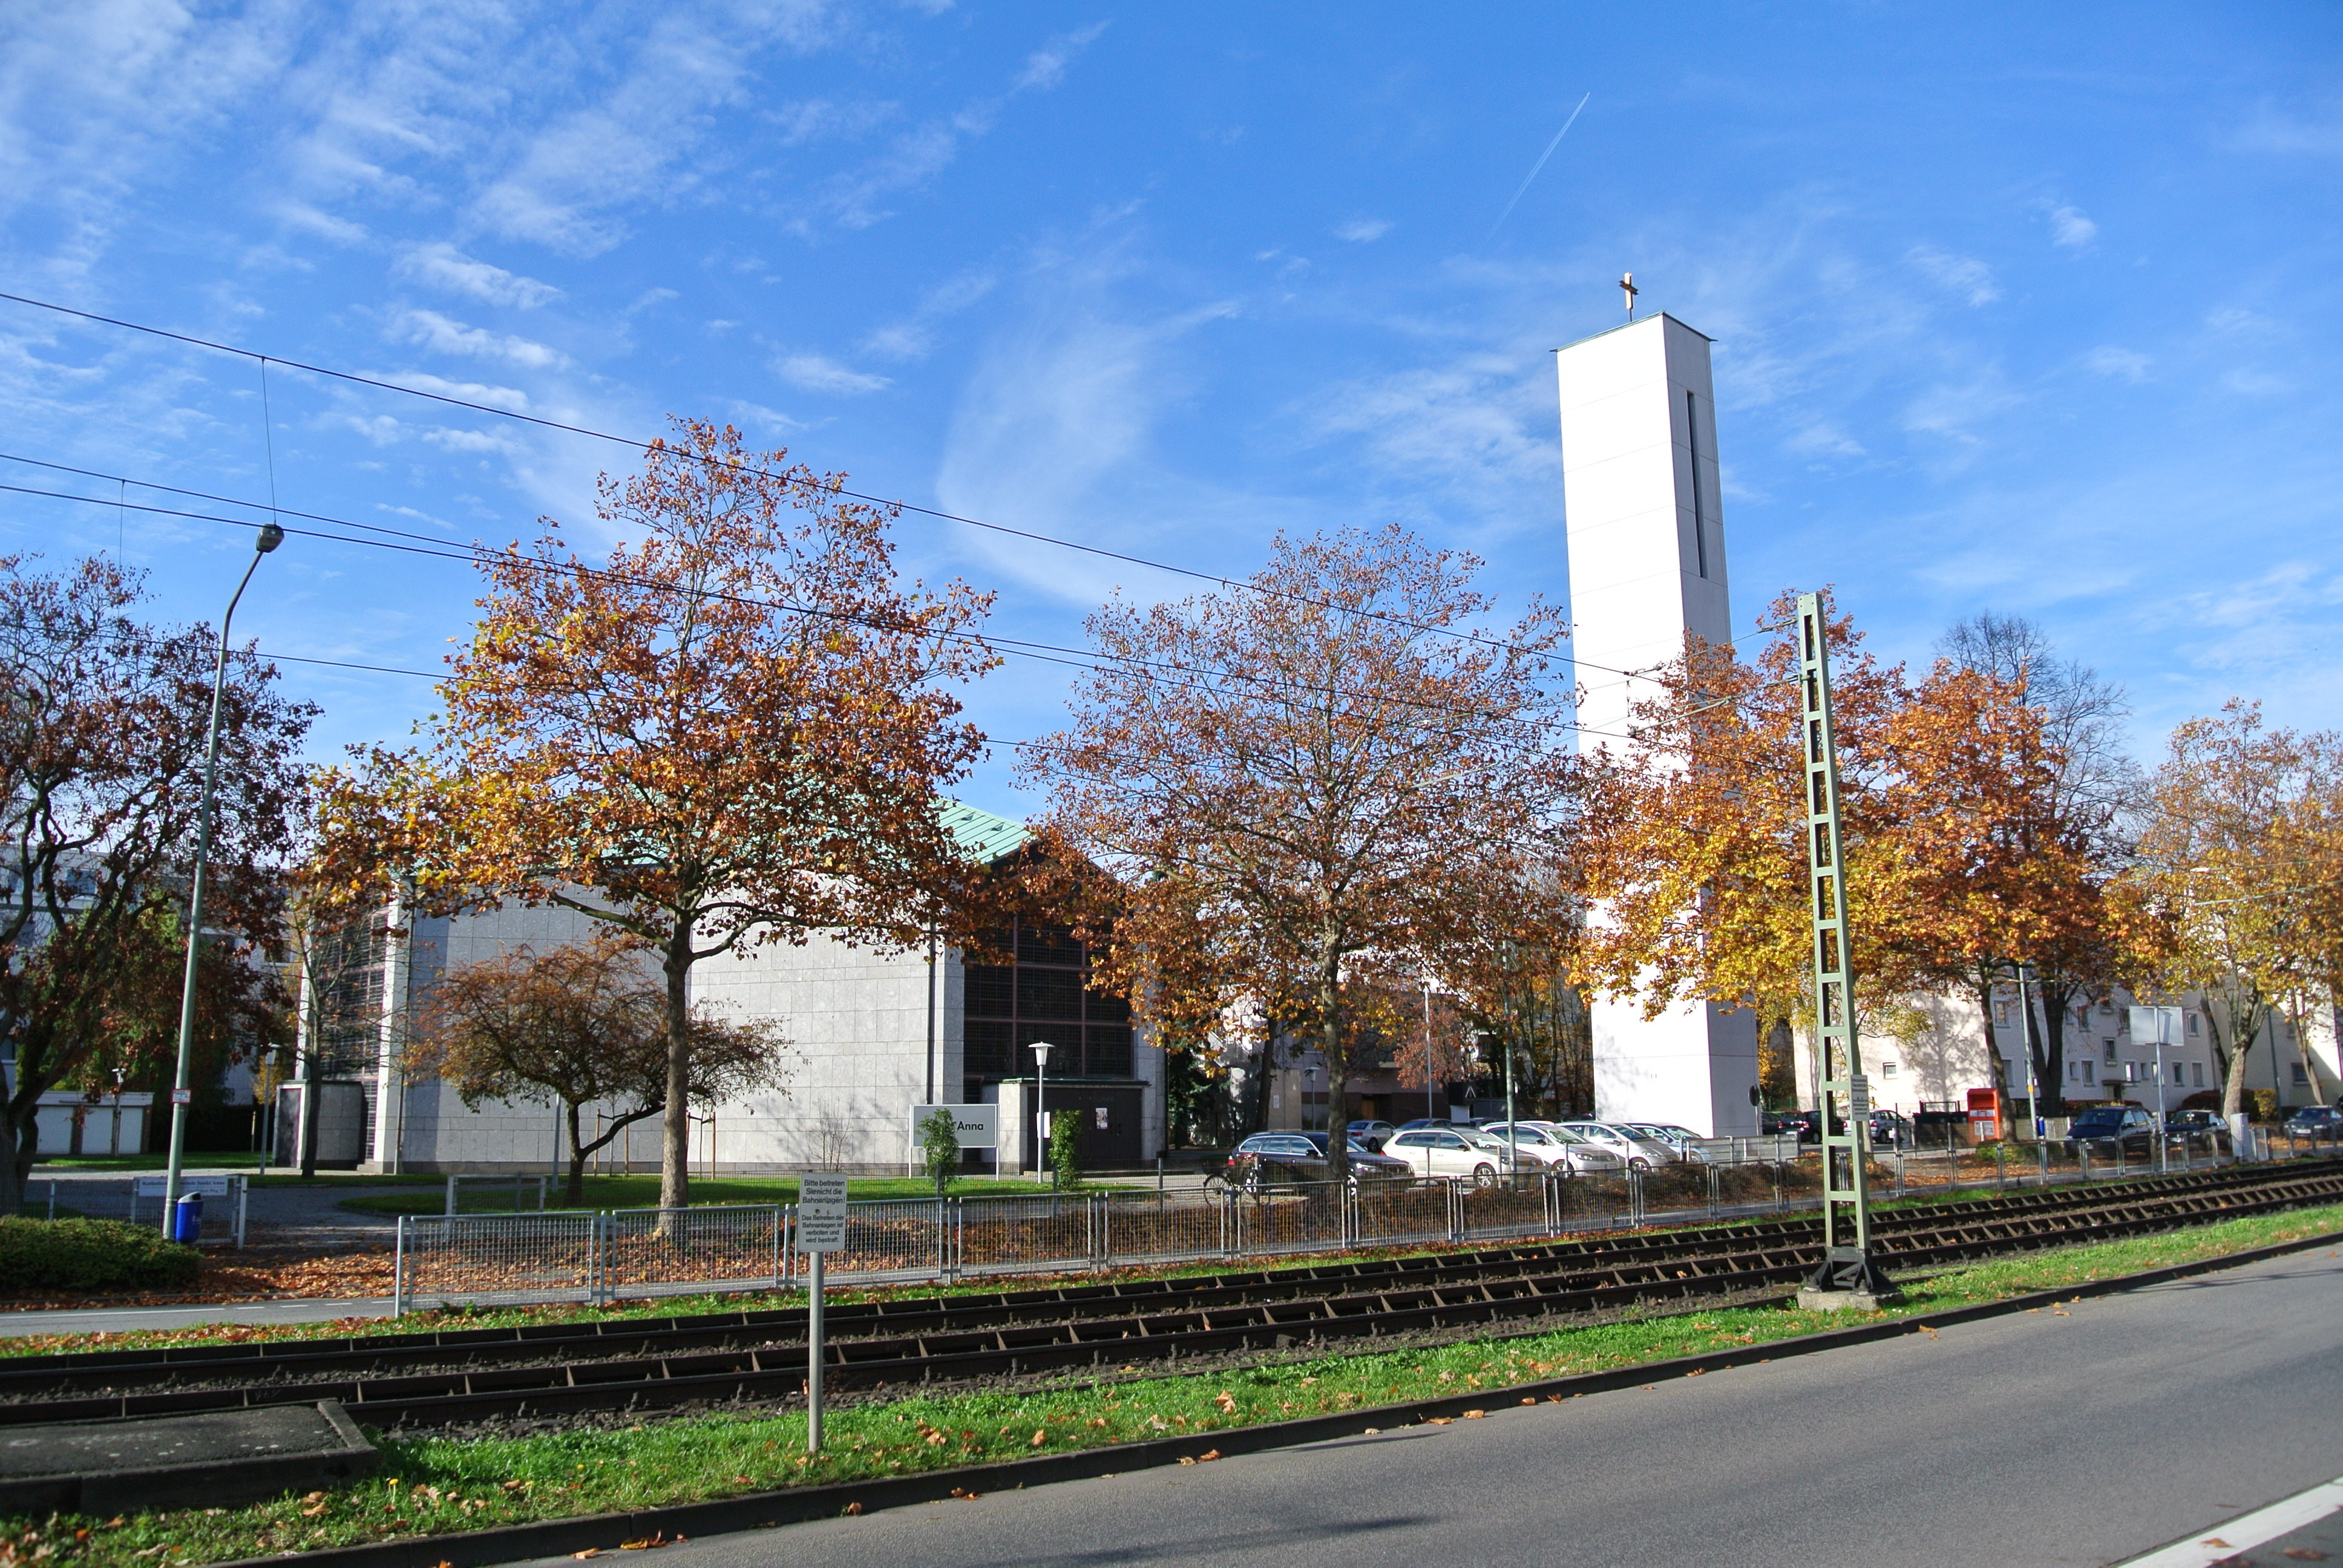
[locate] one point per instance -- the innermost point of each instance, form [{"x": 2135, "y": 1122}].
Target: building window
[
  {"x": 2110, "y": 1057},
  {"x": 2192, "y": 1026},
  {"x": 1044, "y": 994},
  {"x": 2131, "y": 1072},
  {"x": 2197, "y": 1070},
  {"x": 1887, "y": 1070},
  {"x": 2300, "y": 1075}
]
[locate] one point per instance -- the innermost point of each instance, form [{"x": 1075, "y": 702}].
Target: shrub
[
  {"x": 90, "y": 1255},
  {"x": 939, "y": 1145},
  {"x": 2263, "y": 1103},
  {"x": 1065, "y": 1148}
]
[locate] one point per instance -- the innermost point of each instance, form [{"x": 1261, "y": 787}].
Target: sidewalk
[{"x": 121, "y": 1319}]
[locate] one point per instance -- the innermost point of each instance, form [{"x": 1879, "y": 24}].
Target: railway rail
[{"x": 456, "y": 1377}]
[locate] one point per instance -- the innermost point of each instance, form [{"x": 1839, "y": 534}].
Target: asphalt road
[{"x": 2085, "y": 1437}]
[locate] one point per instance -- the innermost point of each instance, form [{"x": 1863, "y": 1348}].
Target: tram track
[{"x": 463, "y": 1377}]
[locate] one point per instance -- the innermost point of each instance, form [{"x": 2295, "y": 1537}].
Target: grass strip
[{"x": 435, "y": 1486}]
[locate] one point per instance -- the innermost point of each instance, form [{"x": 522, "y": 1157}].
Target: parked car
[
  {"x": 2193, "y": 1125},
  {"x": 1682, "y": 1141},
  {"x": 1552, "y": 1147},
  {"x": 1640, "y": 1153},
  {"x": 1373, "y": 1134},
  {"x": 1804, "y": 1123},
  {"x": 2321, "y": 1122},
  {"x": 1285, "y": 1159},
  {"x": 1455, "y": 1152},
  {"x": 2103, "y": 1128},
  {"x": 1890, "y": 1129}
]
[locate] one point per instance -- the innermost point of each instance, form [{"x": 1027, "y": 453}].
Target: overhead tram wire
[
  {"x": 1038, "y": 746},
  {"x": 1084, "y": 660},
  {"x": 640, "y": 445}
]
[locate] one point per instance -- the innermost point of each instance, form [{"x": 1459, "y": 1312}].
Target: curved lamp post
[{"x": 271, "y": 536}]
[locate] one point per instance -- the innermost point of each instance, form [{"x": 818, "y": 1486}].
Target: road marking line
[{"x": 2247, "y": 1531}]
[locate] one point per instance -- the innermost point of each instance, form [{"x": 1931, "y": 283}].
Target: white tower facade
[{"x": 1646, "y": 540}]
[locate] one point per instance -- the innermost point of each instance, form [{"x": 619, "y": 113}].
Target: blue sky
[{"x": 2029, "y": 309}]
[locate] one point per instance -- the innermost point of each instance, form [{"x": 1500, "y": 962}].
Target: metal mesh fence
[
  {"x": 535, "y": 1256},
  {"x": 652, "y": 1251}
]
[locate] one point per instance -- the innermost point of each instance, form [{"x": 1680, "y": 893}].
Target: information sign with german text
[{"x": 822, "y": 1213}]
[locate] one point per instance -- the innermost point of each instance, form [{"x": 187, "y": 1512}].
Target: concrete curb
[{"x": 793, "y": 1506}]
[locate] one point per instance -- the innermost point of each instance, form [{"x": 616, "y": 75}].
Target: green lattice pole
[{"x": 1847, "y": 1275}]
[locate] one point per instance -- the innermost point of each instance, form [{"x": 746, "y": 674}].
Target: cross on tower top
[{"x": 1627, "y": 288}]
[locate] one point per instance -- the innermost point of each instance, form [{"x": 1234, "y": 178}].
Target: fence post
[
  {"x": 398, "y": 1272},
  {"x": 1713, "y": 1192}
]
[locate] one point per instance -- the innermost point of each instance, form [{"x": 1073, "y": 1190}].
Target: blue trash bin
[{"x": 187, "y": 1223}]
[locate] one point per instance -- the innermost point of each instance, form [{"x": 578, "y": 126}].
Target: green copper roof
[{"x": 985, "y": 836}]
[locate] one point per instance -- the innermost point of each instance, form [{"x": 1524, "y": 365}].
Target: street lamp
[
  {"x": 270, "y": 537},
  {"x": 1041, "y": 1049}
]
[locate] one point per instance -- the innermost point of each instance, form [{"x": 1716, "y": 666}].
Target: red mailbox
[{"x": 1986, "y": 1114}]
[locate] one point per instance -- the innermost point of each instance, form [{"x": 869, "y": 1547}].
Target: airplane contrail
[{"x": 1534, "y": 168}]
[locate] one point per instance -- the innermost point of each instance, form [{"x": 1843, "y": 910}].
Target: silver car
[
  {"x": 1551, "y": 1146},
  {"x": 1641, "y": 1153},
  {"x": 1683, "y": 1139}
]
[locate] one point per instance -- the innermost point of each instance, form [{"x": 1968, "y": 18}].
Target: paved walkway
[{"x": 122, "y": 1319}]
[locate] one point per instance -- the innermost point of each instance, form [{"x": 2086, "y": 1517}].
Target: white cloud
[
  {"x": 1965, "y": 275},
  {"x": 2252, "y": 382},
  {"x": 441, "y": 266},
  {"x": 1055, "y": 430},
  {"x": 1951, "y": 410},
  {"x": 2070, "y": 228},
  {"x": 1363, "y": 230},
  {"x": 1045, "y": 67},
  {"x": 853, "y": 199},
  {"x": 506, "y": 397},
  {"x": 914, "y": 337},
  {"x": 816, "y": 374},
  {"x": 826, "y": 119},
  {"x": 2271, "y": 129},
  {"x": 442, "y": 335},
  {"x": 632, "y": 145},
  {"x": 2108, "y": 360},
  {"x": 302, "y": 215},
  {"x": 1823, "y": 438}
]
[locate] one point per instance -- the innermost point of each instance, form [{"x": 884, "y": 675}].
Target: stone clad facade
[{"x": 870, "y": 1032}]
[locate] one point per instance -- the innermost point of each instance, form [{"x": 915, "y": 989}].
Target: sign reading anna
[{"x": 978, "y": 1126}]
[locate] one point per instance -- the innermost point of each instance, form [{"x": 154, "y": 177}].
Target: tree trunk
[
  {"x": 19, "y": 1147},
  {"x": 674, "y": 1159},
  {"x": 575, "y": 1196},
  {"x": 1986, "y": 977},
  {"x": 1329, "y": 1046},
  {"x": 2233, "y": 1075}
]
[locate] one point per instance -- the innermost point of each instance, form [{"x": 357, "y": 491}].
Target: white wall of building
[
  {"x": 870, "y": 1033},
  {"x": 1641, "y": 491}
]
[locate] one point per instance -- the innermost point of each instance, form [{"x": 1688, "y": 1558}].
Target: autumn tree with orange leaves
[
  {"x": 585, "y": 1024},
  {"x": 735, "y": 729},
  {"x": 2241, "y": 873},
  {"x": 1695, "y": 848},
  {"x": 1327, "y": 771}
]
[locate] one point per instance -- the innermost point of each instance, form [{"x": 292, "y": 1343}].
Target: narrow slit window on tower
[{"x": 1692, "y": 445}]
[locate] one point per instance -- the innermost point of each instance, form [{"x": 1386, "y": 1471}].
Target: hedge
[{"x": 90, "y": 1255}]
